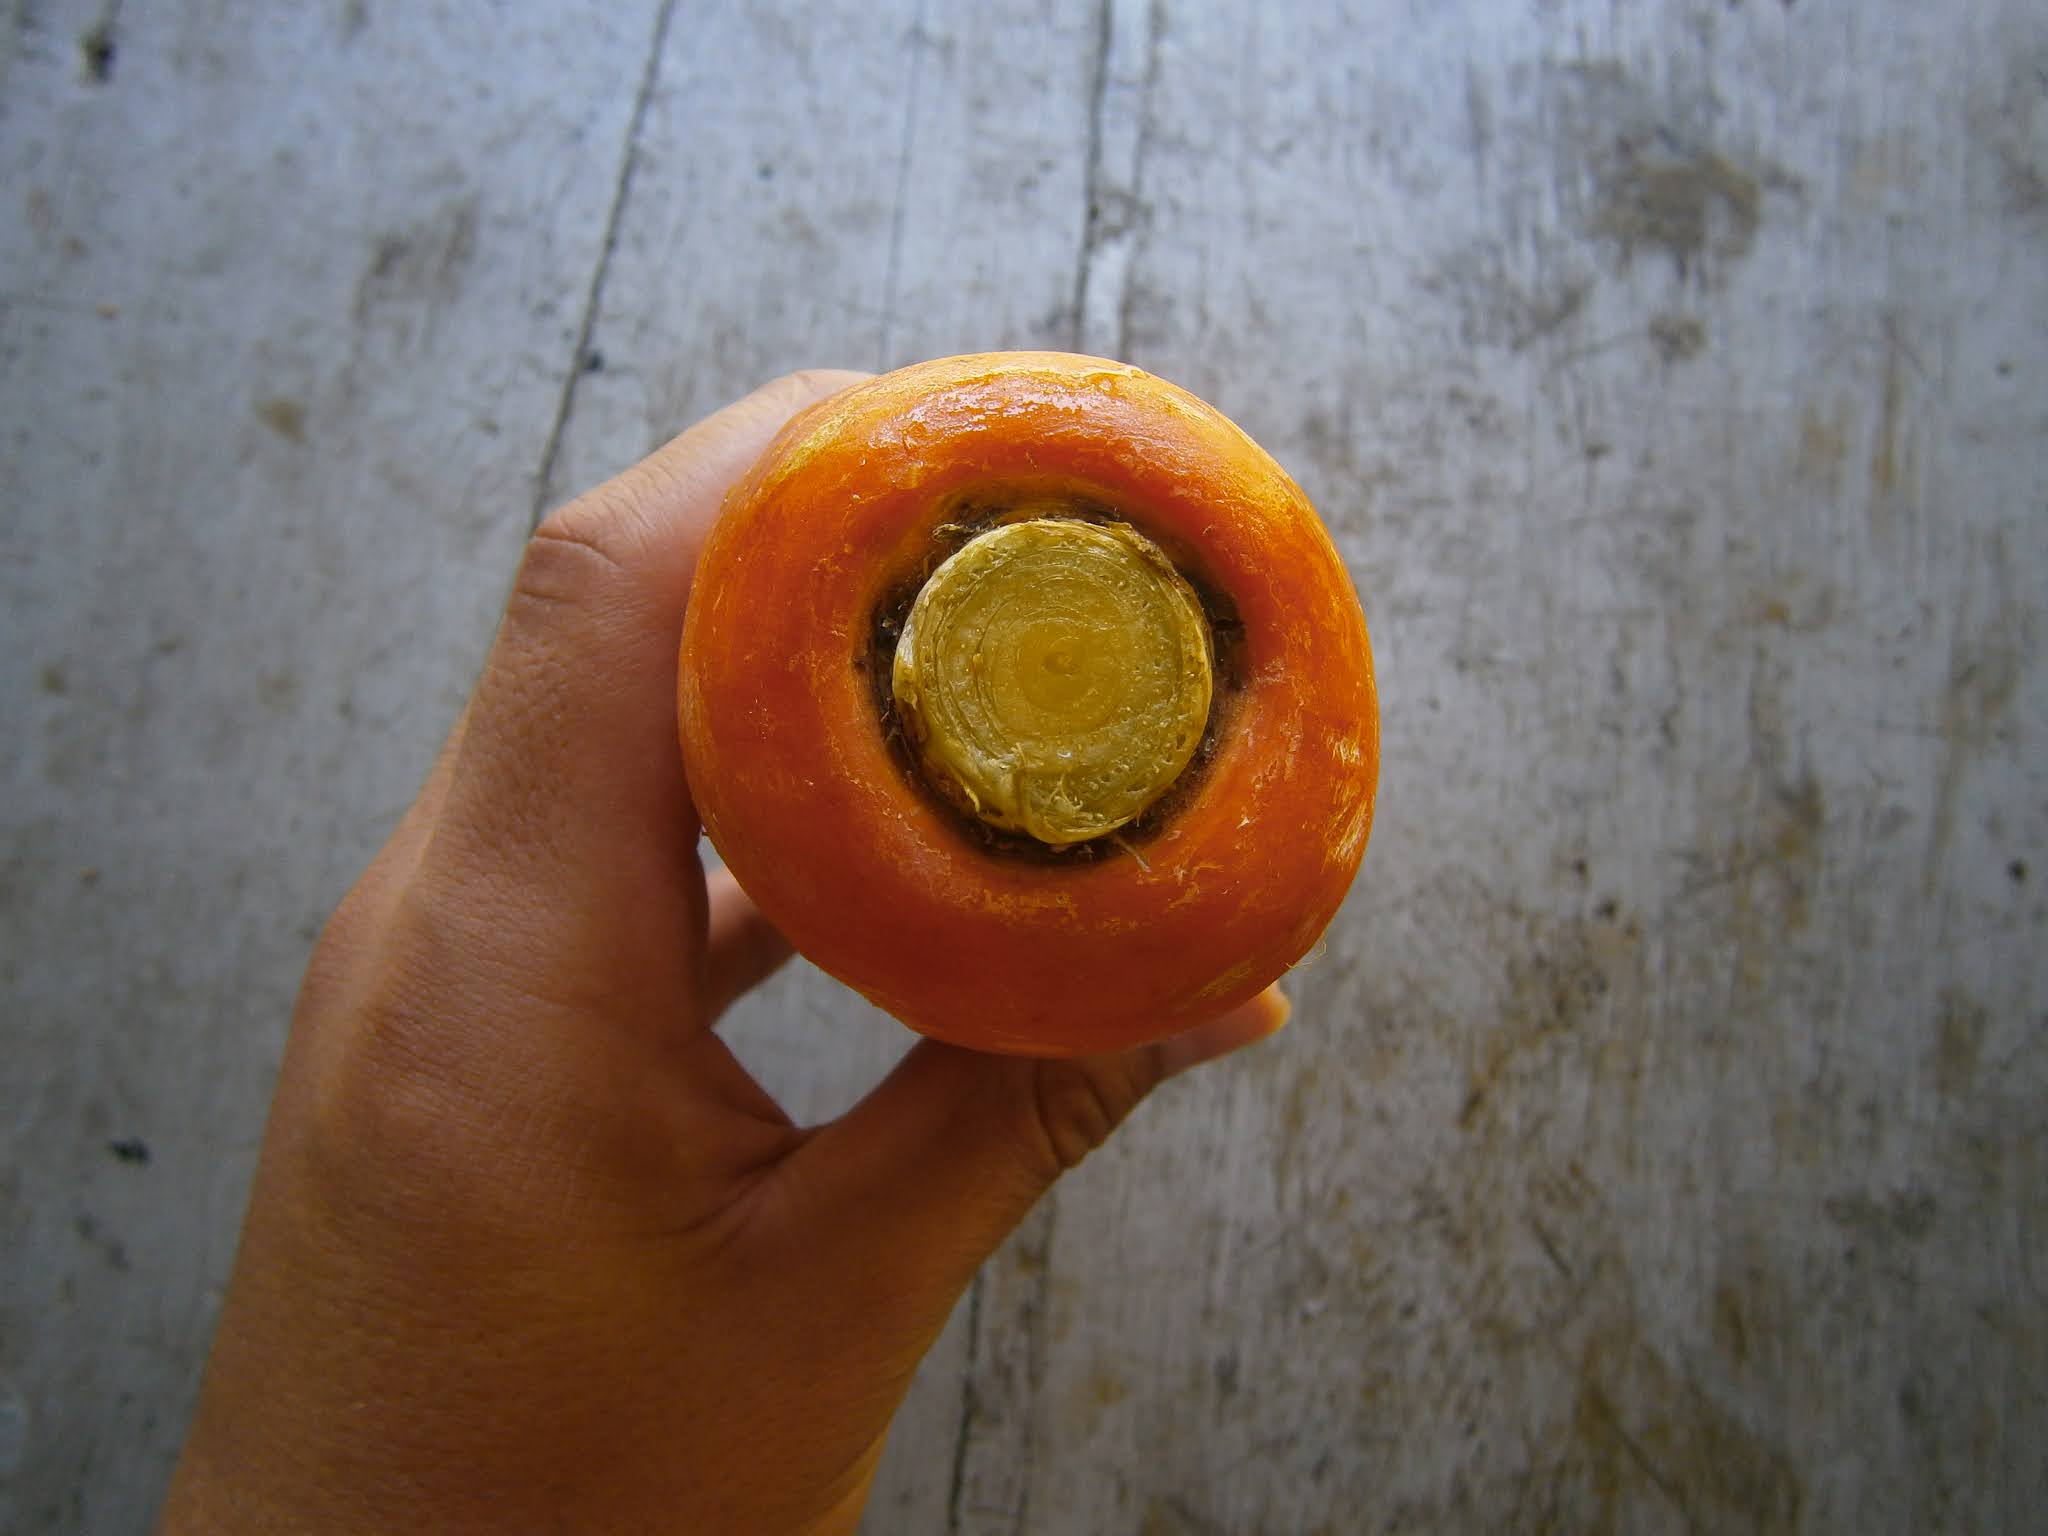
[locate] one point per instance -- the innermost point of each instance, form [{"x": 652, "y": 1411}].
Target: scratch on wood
[
  {"x": 1091, "y": 178},
  {"x": 1550, "y": 1248},
  {"x": 967, "y": 1408},
  {"x": 901, "y": 213},
  {"x": 1601, "y": 1412}
]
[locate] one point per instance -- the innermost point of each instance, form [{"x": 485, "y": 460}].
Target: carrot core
[{"x": 1054, "y": 677}]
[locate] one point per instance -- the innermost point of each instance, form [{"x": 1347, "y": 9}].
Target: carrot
[{"x": 1029, "y": 697}]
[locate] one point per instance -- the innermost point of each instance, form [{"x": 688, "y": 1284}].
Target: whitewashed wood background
[{"x": 1660, "y": 1142}]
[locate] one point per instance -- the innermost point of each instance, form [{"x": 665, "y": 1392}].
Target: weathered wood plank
[
  {"x": 289, "y": 295},
  {"x": 1660, "y": 1142}
]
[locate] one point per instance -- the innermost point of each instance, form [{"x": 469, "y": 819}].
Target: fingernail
[{"x": 1279, "y": 1006}]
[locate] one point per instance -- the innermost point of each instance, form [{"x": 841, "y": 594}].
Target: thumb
[{"x": 921, "y": 1181}]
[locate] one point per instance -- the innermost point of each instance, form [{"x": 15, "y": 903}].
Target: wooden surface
[{"x": 1660, "y": 1142}]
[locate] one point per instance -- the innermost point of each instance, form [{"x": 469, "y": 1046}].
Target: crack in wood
[
  {"x": 593, "y": 301},
  {"x": 1116, "y": 217},
  {"x": 967, "y": 1406}
]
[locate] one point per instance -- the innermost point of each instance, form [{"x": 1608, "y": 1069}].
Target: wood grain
[{"x": 1660, "y": 1140}]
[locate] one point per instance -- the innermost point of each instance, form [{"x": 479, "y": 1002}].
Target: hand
[{"x": 528, "y": 1249}]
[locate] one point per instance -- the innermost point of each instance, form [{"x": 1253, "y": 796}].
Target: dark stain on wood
[
  {"x": 1731, "y": 1325},
  {"x": 111, "y": 1249},
  {"x": 1803, "y": 817},
  {"x": 1884, "y": 450},
  {"x": 1906, "y": 1214},
  {"x": 96, "y": 52},
  {"x": 1959, "y": 1031},
  {"x": 279, "y": 689},
  {"x": 287, "y": 418},
  {"x": 1691, "y": 207},
  {"x": 1551, "y": 989},
  {"x": 1986, "y": 664},
  {"x": 1651, "y": 1445},
  {"x": 424, "y": 263},
  {"x": 1677, "y": 338},
  {"x": 1823, "y": 446}
]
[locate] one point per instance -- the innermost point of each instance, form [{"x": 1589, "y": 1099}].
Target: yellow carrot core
[{"x": 1054, "y": 677}]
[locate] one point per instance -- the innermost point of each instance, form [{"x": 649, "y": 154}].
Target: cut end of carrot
[{"x": 1055, "y": 677}]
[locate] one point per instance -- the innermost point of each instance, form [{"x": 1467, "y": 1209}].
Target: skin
[{"x": 528, "y": 1249}]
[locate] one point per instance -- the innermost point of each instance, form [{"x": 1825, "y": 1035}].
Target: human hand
[{"x": 528, "y": 1249}]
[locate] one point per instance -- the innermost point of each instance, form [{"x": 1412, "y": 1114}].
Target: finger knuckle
[
  {"x": 399, "y": 1054},
  {"x": 1077, "y": 1106},
  {"x": 807, "y": 382},
  {"x": 567, "y": 562}
]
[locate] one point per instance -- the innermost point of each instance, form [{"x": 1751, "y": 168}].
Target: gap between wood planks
[{"x": 593, "y": 299}]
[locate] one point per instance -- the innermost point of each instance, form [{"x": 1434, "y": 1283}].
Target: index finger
[
  {"x": 568, "y": 757},
  {"x": 651, "y": 519}
]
